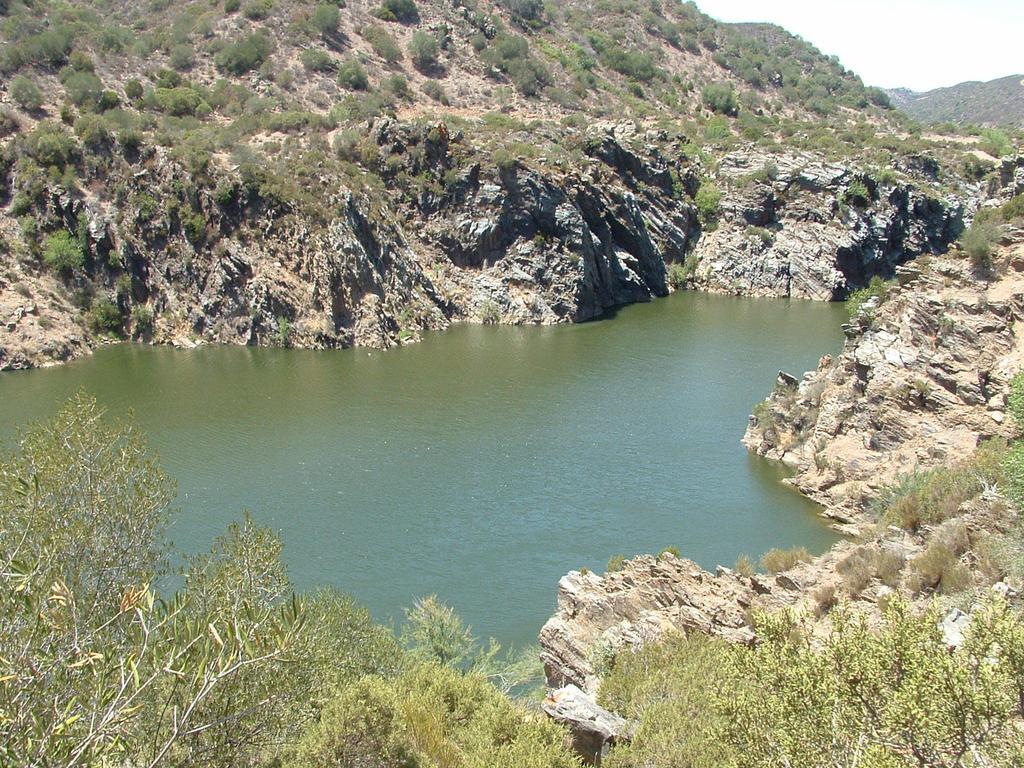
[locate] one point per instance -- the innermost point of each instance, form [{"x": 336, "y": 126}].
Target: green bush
[
  {"x": 93, "y": 132},
  {"x": 245, "y": 54},
  {"x": 708, "y": 201},
  {"x": 978, "y": 242},
  {"x": 133, "y": 90},
  {"x": 352, "y": 75},
  {"x": 181, "y": 57},
  {"x": 791, "y": 700},
  {"x": 430, "y": 715},
  {"x": 326, "y": 19},
  {"x": 510, "y": 54},
  {"x": 423, "y": 50},
  {"x": 63, "y": 253},
  {"x": 84, "y": 89},
  {"x": 383, "y": 43},
  {"x": 720, "y": 98},
  {"x": 105, "y": 318},
  {"x": 25, "y": 93},
  {"x": 180, "y": 102},
  {"x": 877, "y": 288},
  {"x": 142, "y": 320},
  {"x": 257, "y": 10},
  {"x": 404, "y": 11},
  {"x": 317, "y": 60},
  {"x": 49, "y": 144},
  {"x": 928, "y": 498}
]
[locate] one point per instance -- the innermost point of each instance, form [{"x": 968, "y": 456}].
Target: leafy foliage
[{"x": 893, "y": 696}]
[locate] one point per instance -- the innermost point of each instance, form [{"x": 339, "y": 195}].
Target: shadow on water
[{"x": 481, "y": 464}]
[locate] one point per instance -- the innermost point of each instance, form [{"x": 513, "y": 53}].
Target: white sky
[{"x": 918, "y": 44}]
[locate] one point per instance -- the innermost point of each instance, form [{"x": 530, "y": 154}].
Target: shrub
[
  {"x": 490, "y": 313},
  {"x": 877, "y": 288},
  {"x": 701, "y": 703},
  {"x": 50, "y": 144},
  {"x": 182, "y": 57},
  {"x": 352, "y": 75},
  {"x": 995, "y": 142},
  {"x": 325, "y": 19},
  {"x": 63, "y": 253},
  {"x": 83, "y": 89},
  {"x": 133, "y": 90},
  {"x": 105, "y": 318},
  {"x": 423, "y": 50},
  {"x": 404, "y": 11},
  {"x": 93, "y": 132},
  {"x": 25, "y": 93},
  {"x": 744, "y": 566},
  {"x": 778, "y": 560},
  {"x": 720, "y": 98},
  {"x": 383, "y": 43},
  {"x": 142, "y": 320},
  {"x": 257, "y": 10},
  {"x": 180, "y": 102},
  {"x": 708, "y": 200},
  {"x": 245, "y": 54},
  {"x": 435, "y": 91},
  {"x": 430, "y": 714},
  {"x": 524, "y": 10},
  {"x": 317, "y": 60},
  {"x": 978, "y": 242},
  {"x": 615, "y": 563},
  {"x": 935, "y": 496},
  {"x": 510, "y": 54}
]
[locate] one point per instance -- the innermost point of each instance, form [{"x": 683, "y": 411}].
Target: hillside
[
  {"x": 994, "y": 103},
  {"x": 278, "y": 173}
]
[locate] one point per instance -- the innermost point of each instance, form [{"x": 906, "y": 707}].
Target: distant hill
[{"x": 997, "y": 102}]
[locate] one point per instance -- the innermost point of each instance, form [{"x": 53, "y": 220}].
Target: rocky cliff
[
  {"x": 793, "y": 224},
  {"x": 191, "y": 256}
]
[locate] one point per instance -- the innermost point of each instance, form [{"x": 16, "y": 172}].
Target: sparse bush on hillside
[
  {"x": 352, "y": 75},
  {"x": 105, "y": 318},
  {"x": 977, "y": 242},
  {"x": 245, "y": 54},
  {"x": 181, "y": 57},
  {"x": 423, "y": 50},
  {"x": 25, "y": 93},
  {"x": 404, "y": 11},
  {"x": 133, "y": 89},
  {"x": 383, "y": 43},
  {"x": 257, "y": 10},
  {"x": 527, "y": 11},
  {"x": 510, "y": 55},
  {"x": 83, "y": 89},
  {"x": 720, "y": 98},
  {"x": 92, "y": 131},
  {"x": 49, "y": 144},
  {"x": 995, "y": 142},
  {"x": 435, "y": 91},
  {"x": 317, "y": 60},
  {"x": 878, "y": 288},
  {"x": 326, "y": 19}
]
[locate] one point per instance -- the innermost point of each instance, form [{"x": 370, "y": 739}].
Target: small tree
[{"x": 721, "y": 98}]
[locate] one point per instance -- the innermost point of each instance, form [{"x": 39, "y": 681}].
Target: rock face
[
  {"x": 795, "y": 225},
  {"x": 239, "y": 261},
  {"x": 921, "y": 382},
  {"x": 650, "y": 596},
  {"x": 594, "y": 729}
]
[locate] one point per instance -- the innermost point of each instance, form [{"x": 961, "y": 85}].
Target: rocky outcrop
[
  {"x": 593, "y": 729},
  {"x": 796, "y": 225},
  {"x": 921, "y": 382},
  {"x": 240, "y": 257}
]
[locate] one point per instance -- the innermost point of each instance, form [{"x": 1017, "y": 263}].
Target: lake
[{"x": 481, "y": 464}]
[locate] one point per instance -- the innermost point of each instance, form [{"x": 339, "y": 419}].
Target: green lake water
[{"x": 481, "y": 464}]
